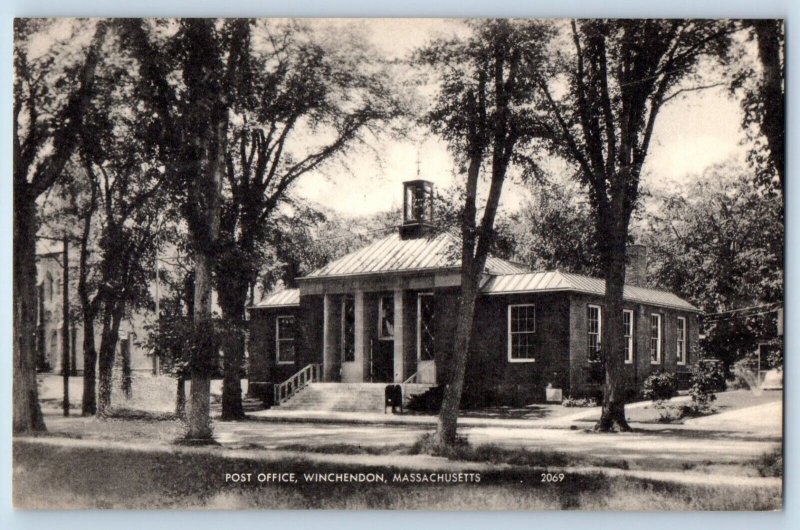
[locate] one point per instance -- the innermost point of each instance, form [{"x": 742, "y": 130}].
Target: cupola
[{"x": 417, "y": 209}]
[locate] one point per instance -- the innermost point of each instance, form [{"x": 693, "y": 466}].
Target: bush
[
  {"x": 429, "y": 401},
  {"x": 660, "y": 386},
  {"x": 578, "y": 402},
  {"x": 708, "y": 377}
]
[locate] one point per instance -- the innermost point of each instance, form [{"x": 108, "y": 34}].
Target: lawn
[
  {"x": 726, "y": 401},
  {"x": 149, "y": 393},
  {"x": 51, "y": 477}
]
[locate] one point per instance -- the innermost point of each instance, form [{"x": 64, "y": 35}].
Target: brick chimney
[{"x": 636, "y": 267}]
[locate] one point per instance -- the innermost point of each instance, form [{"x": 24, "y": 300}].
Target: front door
[
  {"x": 382, "y": 358},
  {"x": 426, "y": 359},
  {"x": 382, "y": 361}
]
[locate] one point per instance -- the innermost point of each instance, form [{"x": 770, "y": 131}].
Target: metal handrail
[
  {"x": 294, "y": 384},
  {"x": 412, "y": 379}
]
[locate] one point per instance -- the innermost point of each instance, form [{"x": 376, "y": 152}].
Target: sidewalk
[{"x": 582, "y": 415}]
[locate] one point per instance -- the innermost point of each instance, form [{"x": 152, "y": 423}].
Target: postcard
[{"x": 398, "y": 264}]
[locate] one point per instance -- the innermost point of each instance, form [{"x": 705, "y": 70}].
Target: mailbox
[{"x": 393, "y": 397}]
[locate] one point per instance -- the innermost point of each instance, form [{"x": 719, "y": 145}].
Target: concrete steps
[{"x": 346, "y": 397}]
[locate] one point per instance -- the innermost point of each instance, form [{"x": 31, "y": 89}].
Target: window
[
  {"x": 681, "y": 349},
  {"x": 386, "y": 317},
  {"x": 655, "y": 338},
  {"x": 284, "y": 340},
  {"x": 425, "y": 312},
  {"x": 521, "y": 329},
  {"x": 49, "y": 289},
  {"x": 348, "y": 329},
  {"x": 594, "y": 328},
  {"x": 627, "y": 324}
]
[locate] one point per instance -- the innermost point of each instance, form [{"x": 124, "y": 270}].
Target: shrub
[
  {"x": 708, "y": 377},
  {"x": 578, "y": 402},
  {"x": 429, "y": 401},
  {"x": 660, "y": 386}
]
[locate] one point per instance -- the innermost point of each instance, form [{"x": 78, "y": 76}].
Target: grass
[
  {"x": 347, "y": 449},
  {"x": 770, "y": 464},
  {"x": 726, "y": 401},
  {"x": 69, "y": 477}
]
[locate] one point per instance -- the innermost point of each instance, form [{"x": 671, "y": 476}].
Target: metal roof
[
  {"x": 563, "y": 281},
  {"x": 285, "y": 298},
  {"x": 531, "y": 282},
  {"x": 393, "y": 254}
]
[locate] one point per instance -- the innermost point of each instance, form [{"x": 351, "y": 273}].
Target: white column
[
  {"x": 399, "y": 335},
  {"x": 357, "y": 370},
  {"x": 328, "y": 339}
]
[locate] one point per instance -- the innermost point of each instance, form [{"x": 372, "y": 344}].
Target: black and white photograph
[{"x": 448, "y": 264}]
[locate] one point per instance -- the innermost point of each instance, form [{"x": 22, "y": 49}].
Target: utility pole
[
  {"x": 156, "y": 367},
  {"x": 65, "y": 333}
]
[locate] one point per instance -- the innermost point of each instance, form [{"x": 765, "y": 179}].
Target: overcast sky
[{"x": 692, "y": 132}]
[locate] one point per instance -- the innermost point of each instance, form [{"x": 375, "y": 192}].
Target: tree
[
  {"x": 719, "y": 241},
  {"x": 619, "y": 74},
  {"x": 763, "y": 100},
  {"x": 46, "y": 128},
  {"x": 556, "y": 230},
  {"x": 116, "y": 196},
  {"x": 484, "y": 110},
  {"x": 303, "y": 104},
  {"x": 191, "y": 74}
]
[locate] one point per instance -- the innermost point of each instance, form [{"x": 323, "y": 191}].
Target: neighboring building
[
  {"x": 50, "y": 322},
  {"x": 386, "y": 313}
]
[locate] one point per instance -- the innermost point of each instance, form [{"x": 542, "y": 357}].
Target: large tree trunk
[
  {"x": 27, "y": 412},
  {"x": 180, "y": 397},
  {"x": 89, "y": 402},
  {"x": 613, "y": 413},
  {"x": 108, "y": 347},
  {"x": 209, "y": 122},
  {"x": 773, "y": 122},
  {"x": 232, "y": 299},
  {"x": 232, "y": 408},
  {"x": 199, "y": 418},
  {"x": 448, "y": 415}
]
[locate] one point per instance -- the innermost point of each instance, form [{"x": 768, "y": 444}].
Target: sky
[{"x": 692, "y": 132}]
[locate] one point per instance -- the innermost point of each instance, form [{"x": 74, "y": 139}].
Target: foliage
[
  {"x": 578, "y": 402},
  {"x": 429, "y": 401},
  {"x": 719, "y": 241},
  {"x": 53, "y": 85},
  {"x": 707, "y": 377},
  {"x": 760, "y": 83},
  {"x": 775, "y": 357},
  {"x": 660, "y": 386},
  {"x": 619, "y": 74},
  {"x": 313, "y": 95},
  {"x": 737, "y": 336},
  {"x": 557, "y": 231},
  {"x": 487, "y": 111}
]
